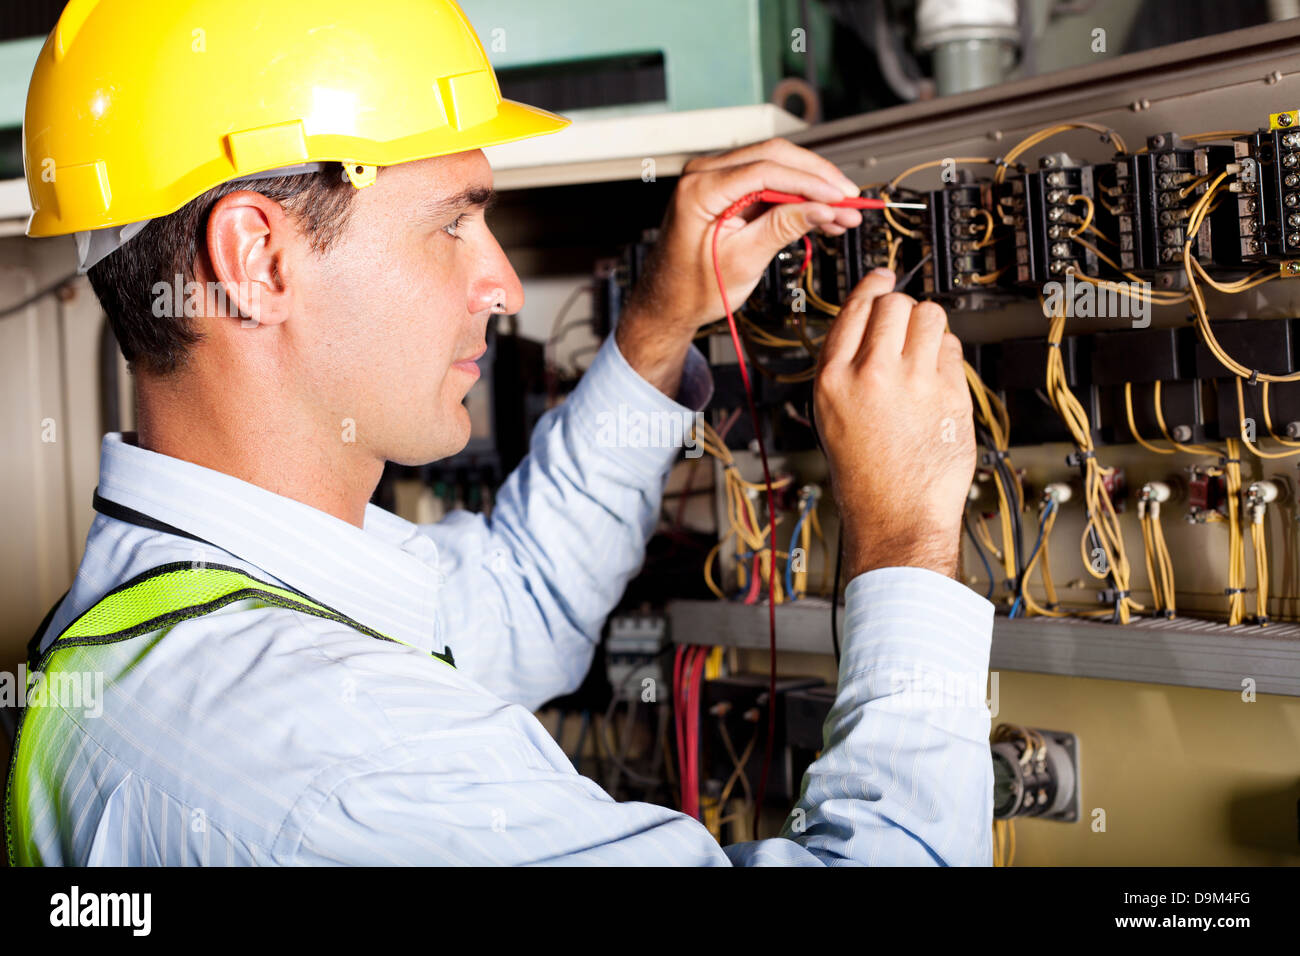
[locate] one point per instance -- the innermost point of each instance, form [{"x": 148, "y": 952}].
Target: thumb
[{"x": 779, "y": 226}]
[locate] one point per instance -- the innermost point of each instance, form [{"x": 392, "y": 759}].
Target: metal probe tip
[{"x": 906, "y": 205}]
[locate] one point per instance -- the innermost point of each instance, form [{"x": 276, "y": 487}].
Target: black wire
[
  {"x": 1004, "y": 477},
  {"x": 811, "y": 407},
  {"x": 979, "y": 549},
  {"x": 902, "y": 283}
]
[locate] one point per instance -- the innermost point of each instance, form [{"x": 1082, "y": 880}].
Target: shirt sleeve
[
  {"x": 905, "y": 778},
  {"x": 536, "y": 581}
]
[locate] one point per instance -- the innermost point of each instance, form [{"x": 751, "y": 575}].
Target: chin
[{"x": 445, "y": 437}]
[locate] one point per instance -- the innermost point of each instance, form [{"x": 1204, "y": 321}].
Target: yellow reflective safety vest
[{"x": 149, "y": 602}]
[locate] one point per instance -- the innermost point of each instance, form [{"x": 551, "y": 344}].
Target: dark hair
[{"x": 169, "y": 246}]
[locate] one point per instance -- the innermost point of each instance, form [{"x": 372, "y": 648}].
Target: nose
[{"x": 497, "y": 288}]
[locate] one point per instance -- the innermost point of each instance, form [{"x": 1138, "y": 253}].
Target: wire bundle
[
  {"x": 1024, "y": 600},
  {"x": 1101, "y": 529},
  {"x": 994, "y": 427},
  {"x": 1160, "y": 568},
  {"x": 752, "y": 541},
  {"x": 688, "y": 678},
  {"x": 806, "y": 528}
]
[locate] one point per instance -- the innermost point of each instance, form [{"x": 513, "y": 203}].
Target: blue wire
[
  {"x": 1042, "y": 526},
  {"x": 743, "y": 559},
  {"x": 794, "y": 538}
]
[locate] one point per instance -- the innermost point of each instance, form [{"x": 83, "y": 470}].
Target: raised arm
[
  {"x": 571, "y": 524},
  {"x": 905, "y": 776}
]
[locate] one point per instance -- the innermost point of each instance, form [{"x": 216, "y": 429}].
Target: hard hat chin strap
[{"x": 93, "y": 245}]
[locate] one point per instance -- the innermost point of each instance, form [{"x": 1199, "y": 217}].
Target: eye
[{"x": 451, "y": 227}]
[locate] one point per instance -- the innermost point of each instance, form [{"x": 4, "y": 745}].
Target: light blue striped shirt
[{"x": 262, "y": 735}]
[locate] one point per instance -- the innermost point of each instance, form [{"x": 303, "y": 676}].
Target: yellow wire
[
  {"x": 1034, "y": 139},
  {"x": 1258, "y": 452},
  {"x": 1132, "y": 425},
  {"x": 1216, "y": 134},
  {"x": 1198, "y": 212},
  {"x": 1164, "y": 430},
  {"x": 1268, "y": 421},
  {"x": 1236, "y": 547},
  {"x": 1102, "y": 520},
  {"x": 932, "y": 164},
  {"x": 988, "y": 228},
  {"x": 1087, "y": 219}
]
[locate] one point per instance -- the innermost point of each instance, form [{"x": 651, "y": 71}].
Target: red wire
[
  {"x": 755, "y": 583},
  {"x": 688, "y": 676},
  {"x": 679, "y": 714},
  {"x": 741, "y": 203},
  {"x": 693, "y": 730}
]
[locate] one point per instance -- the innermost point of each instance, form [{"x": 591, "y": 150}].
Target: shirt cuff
[
  {"x": 908, "y": 627},
  {"x": 625, "y": 412},
  {"x": 696, "y": 389}
]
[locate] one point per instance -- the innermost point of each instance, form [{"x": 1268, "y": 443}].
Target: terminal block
[
  {"x": 959, "y": 239},
  {"x": 1045, "y": 215},
  {"x": 774, "y": 298},
  {"x": 866, "y": 247},
  {"x": 1152, "y": 197},
  {"x": 1268, "y": 190}
]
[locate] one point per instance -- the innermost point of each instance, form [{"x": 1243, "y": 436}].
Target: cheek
[{"x": 398, "y": 317}]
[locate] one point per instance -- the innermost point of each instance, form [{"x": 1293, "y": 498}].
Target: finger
[
  {"x": 845, "y": 335},
  {"x": 845, "y": 219},
  {"x": 887, "y": 327},
  {"x": 952, "y": 358},
  {"x": 784, "y": 152},
  {"x": 725, "y": 186},
  {"x": 925, "y": 331},
  {"x": 755, "y": 245},
  {"x": 848, "y": 218}
]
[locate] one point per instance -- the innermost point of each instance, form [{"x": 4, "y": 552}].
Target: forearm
[
  {"x": 567, "y": 532},
  {"x": 656, "y": 350}
]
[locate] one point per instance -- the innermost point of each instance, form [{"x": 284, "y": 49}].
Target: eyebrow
[{"x": 472, "y": 196}]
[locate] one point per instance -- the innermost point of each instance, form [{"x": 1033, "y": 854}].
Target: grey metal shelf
[{"x": 1184, "y": 651}]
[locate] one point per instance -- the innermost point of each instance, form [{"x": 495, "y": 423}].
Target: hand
[
  {"x": 679, "y": 291},
  {"x": 894, "y": 413}
]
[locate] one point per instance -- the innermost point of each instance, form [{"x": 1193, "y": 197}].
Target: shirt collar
[{"x": 385, "y": 576}]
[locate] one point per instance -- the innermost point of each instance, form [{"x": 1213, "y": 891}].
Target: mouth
[{"x": 469, "y": 364}]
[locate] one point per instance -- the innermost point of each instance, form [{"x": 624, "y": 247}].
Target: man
[{"x": 276, "y": 652}]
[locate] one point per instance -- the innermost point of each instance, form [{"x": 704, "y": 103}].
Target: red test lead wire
[
  {"x": 749, "y": 199},
  {"x": 777, "y": 198},
  {"x": 849, "y": 202}
]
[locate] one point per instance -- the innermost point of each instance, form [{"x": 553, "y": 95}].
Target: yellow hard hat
[{"x": 138, "y": 106}]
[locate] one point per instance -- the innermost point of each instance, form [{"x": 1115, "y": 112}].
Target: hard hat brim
[
  {"x": 513, "y": 122},
  {"x": 516, "y": 121}
]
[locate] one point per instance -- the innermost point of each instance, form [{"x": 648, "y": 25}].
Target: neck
[{"x": 257, "y": 439}]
